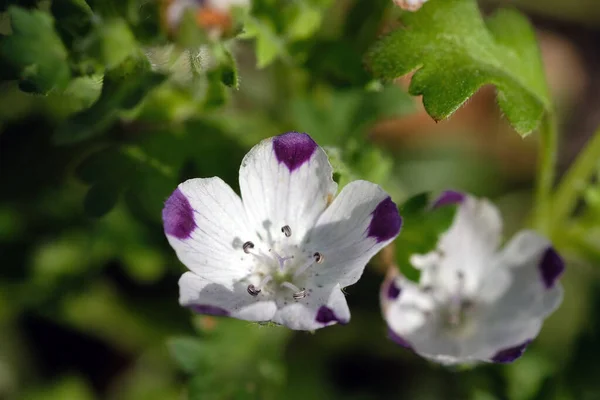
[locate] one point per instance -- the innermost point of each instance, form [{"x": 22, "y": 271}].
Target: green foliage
[
  {"x": 189, "y": 34},
  {"x": 276, "y": 29},
  {"x": 123, "y": 89},
  {"x": 338, "y": 117},
  {"x": 268, "y": 45},
  {"x": 454, "y": 52},
  {"x": 188, "y": 352},
  {"x": 110, "y": 43},
  {"x": 422, "y": 226},
  {"x": 131, "y": 108},
  {"x": 73, "y": 20},
  {"x": 67, "y": 388},
  {"x": 144, "y": 175},
  {"x": 35, "y": 51},
  {"x": 245, "y": 355}
]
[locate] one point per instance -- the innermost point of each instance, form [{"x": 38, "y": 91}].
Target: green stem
[
  {"x": 546, "y": 172},
  {"x": 575, "y": 181}
]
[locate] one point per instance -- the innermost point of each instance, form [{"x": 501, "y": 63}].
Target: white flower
[
  {"x": 474, "y": 302},
  {"x": 410, "y": 5},
  {"x": 284, "y": 253}
]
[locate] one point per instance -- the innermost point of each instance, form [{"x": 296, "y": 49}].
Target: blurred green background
[{"x": 117, "y": 109}]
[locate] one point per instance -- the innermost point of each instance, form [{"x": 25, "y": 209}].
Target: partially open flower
[
  {"x": 474, "y": 302},
  {"x": 284, "y": 253},
  {"x": 212, "y": 15}
]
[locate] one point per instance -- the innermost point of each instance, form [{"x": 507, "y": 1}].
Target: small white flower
[
  {"x": 284, "y": 253},
  {"x": 474, "y": 302},
  {"x": 410, "y": 5}
]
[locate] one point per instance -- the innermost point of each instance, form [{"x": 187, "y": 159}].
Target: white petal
[
  {"x": 415, "y": 322},
  {"x": 207, "y": 297},
  {"x": 524, "y": 247},
  {"x": 535, "y": 267},
  {"x": 493, "y": 339},
  {"x": 286, "y": 180},
  {"x": 464, "y": 254},
  {"x": 418, "y": 323},
  {"x": 360, "y": 222},
  {"x": 322, "y": 307},
  {"x": 407, "y": 313},
  {"x": 205, "y": 223}
]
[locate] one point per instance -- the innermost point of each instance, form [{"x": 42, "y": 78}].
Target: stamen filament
[
  {"x": 303, "y": 268},
  {"x": 264, "y": 281},
  {"x": 291, "y": 286}
]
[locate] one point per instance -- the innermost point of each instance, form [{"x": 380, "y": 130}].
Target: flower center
[
  {"x": 455, "y": 308},
  {"x": 280, "y": 268}
]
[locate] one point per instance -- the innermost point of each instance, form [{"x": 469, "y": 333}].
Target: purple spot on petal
[
  {"x": 551, "y": 266},
  {"x": 209, "y": 310},
  {"x": 386, "y": 221},
  {"x": 178, "y": 216},
  {"x": 398, "y": 339},
  {"x": 511, "y": 354},
  {"x": 393, "y": 291},
  {"x": 293, "y": 149},
  {"x": 449, "y": 197},
  {"x": 326, "y": 315}
]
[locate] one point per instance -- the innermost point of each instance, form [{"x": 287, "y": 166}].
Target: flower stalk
[{"x": 546, "y": 173}]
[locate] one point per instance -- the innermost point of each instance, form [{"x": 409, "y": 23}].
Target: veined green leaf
[{"x": 455, "y": 52}]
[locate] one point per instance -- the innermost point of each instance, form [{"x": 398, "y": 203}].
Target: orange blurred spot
[
  {"x": 329, "y": 199},
  {"x": 208, "y": 18},
  {"x": 208, "y": 323}
]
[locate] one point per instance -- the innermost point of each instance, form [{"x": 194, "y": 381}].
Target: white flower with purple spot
[
  {"x": 284, "y": 251},
  {"x": 473, "y": 301}
]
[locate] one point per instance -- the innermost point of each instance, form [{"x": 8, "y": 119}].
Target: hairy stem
[
  {"x": 547, "y": 157},
  {"x": 575, "y": 181}
]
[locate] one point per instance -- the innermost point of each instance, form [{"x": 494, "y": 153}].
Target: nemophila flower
[
  {"x": 474, "y": 302},
  {"x": 213, "y": 15},
  {"x": 284, "y": 251}
]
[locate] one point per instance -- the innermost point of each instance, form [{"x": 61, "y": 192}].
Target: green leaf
[
  {"x": 189, "y": 34},
  {"x": 525, "y": 378},
  {"x": 216, "y": 94},
  {"x": 128, "y": 9},
  {"x": 235, "y": 351},
  {"x": 455, "y": 52},
  {"x": 268, "y": 45},
  {"x": 80, "y": 93},
  {"x": 332, "y": 117},
  {"x": 36, "y": 51},
  {"x": 188, "y": 352},
  {"x": 304, "y": 21},
  {"x": 73, "y": 19},
  {"x": 148, "y": 169},
  {"x": 123, "y": 89},
  {"x": 100, "y": 199},
  {"x": 111, "y": 43},
  {"x": 421, "y": 230},
  {"x": 227, "y": 66}
]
